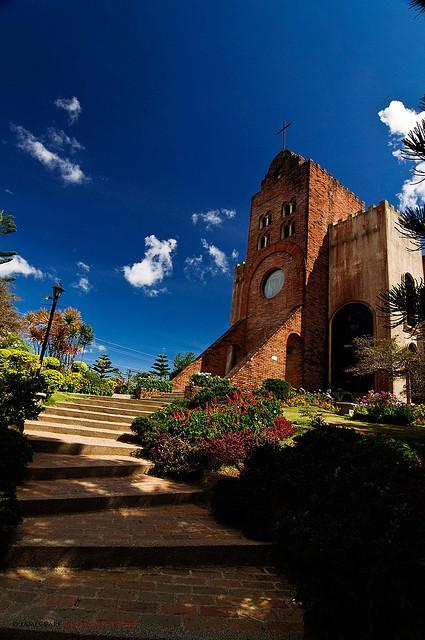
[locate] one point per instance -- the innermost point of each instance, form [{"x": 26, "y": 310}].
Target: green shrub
[
  {"x": 18, "y": 401},
  {"x": 9, "y": 517},
  {"x": 213, "y": 388},
  {"x": 79, "y": 367},
  {"x": 72, "y": 382},
  {"x": 15, "y": 454},
  {"x": 17, "y": 361},
  {"x": 419, "y": 412},
  {"x": 401, "y": 414},
  {"x": 51, "y": 363},
  {"x": 346, "y": 512},
  {"x": 54, "y": 380},
  {"x": 155, "y": 384},
  {"x": 93, "y": 384},
  {"x": 278, "y": 388}
]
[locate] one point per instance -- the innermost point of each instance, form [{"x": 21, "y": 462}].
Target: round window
[{"x": 273, "y": 283}]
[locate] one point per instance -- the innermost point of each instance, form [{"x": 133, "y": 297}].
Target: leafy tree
[
  {"x": 161, "y": 367},
  {"x": 11, "y": 323},
  {"x": 181, "y": 361},
  {"x": 69, "y": 335},
  {"x": 103, "y": 367},
  {"x": 387, "y": 357},
  {"x": 7, "y": 225}
]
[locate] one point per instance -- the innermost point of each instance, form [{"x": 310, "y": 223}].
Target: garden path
[{"x": 106, "y": 550}]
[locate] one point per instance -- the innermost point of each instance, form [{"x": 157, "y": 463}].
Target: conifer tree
[
  {"x": 7, "y": 225},
  {"x": 161, "y": 367},
  {"x": 103, "y": 366}
]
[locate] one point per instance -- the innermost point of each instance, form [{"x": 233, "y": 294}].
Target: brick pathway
[{"x": 230, "y": 602}]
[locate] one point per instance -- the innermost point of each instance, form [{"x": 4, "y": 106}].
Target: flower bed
[
  {"x": 384, "y": 407},
  {"x": 184, "y": 440}
]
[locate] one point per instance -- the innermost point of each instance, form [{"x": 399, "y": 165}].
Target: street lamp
[{"x": 57, "y": 292}]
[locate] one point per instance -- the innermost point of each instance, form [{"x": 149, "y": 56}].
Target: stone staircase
[{"x": 103, "y": 543}]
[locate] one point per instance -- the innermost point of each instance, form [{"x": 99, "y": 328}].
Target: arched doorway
[
  {"x": 349, "y": 322},
  {"x": 294, "y": 360}
]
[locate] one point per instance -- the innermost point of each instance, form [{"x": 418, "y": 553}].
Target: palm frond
[
  {"x": 404, "y": 304},
  {"x": 422, "y": 103},
  {"x": 417, "y": 4},
  {"x": 414, "y": 146},
  {"x": 411, "y": 224}
]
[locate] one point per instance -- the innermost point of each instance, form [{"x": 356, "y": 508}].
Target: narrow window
[
  {"x": 292, "y": 231},
  {"x": 263, "y": 241},
  {"x": 265, "y": 220},
  {"x": 410, "y": 288},
  {"x": 286, "y": 231},
  {"x": 288, "y": 208}
]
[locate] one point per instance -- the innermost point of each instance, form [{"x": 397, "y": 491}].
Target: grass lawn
[
  {"x": 412, "y": 435},
  {"x": 63, "y": 396}
]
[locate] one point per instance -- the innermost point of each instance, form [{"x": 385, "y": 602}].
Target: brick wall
[{"x": 329, "y": 201}]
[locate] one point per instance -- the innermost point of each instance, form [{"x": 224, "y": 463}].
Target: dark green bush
[
  {"x": 15, "y": 454},
  {"x": 9, "y": 517},
  {"x": 18, "y": 401},
  {"x": 278, "y": 388},
  {"x": 401, "y": 414},
  {"x": 212, "y": 388},
  {"x": 347, "y": 515},
  {"x": 92, "y": 384}
]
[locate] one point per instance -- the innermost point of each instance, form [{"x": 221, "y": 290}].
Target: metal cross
[{"x": 283, "y": 132}]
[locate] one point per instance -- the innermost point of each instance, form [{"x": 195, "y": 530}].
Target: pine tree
[
  {"x": 7, "y": 225},
  {"x": 181, "y": 361},
  {"x": 161, "y": 367},
  {"x": 103, "y": 366}
]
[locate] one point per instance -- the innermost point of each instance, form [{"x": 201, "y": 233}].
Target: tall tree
[
  {"x": 161, "y": 367},
  {"x": 181, "y": 361},
  {"x": 103, "y": 367},
  {"x": 7, "y": 225},
  {"x": 11, "y": 323},
  {"x": 69, "y": 335}
]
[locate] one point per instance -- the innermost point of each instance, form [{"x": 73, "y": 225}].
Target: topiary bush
[
  {"x": 154, "y": 384},
  {"x": 51, "y": 363},
  {"x": 79, "y": 367},
  {"x": 54, "y": 380},
  {"x": 347, "y": 515},
  {"x": 278, "y": 388},
  {"x": 93, "y": 384},
  {"x": 17, "y": 361}
]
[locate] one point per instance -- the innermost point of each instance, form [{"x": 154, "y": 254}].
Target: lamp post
[{"x": 57, "y": 292}]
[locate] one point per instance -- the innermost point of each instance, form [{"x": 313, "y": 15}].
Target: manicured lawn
[
  {"x": 62, "y": 396},
  {"x": 413, "y": 435}
]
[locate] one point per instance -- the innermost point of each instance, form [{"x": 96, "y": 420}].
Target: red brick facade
[{"x": 285, "y": 336}]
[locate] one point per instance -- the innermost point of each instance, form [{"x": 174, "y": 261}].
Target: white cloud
[
  {"x": 59, "y": 139},
  {"x": 83, "y": 284},
  {"x": 71, "y": 105},
  {"x": 9, "y": 192},
  {"x": 400, "y": 121},
  {"x": 214, "y": 261},
  {"x": 70, "y": 172},
  {"x": 82, "y": 266},
  {"x": 19, "y": 266},
  {"x": 156, "y": 264},
  {"x": 213, "y": 218},
  {"x": 218, "y": 256}
]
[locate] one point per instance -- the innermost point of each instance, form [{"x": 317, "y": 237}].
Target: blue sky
[{"x": 121, "y": 120}]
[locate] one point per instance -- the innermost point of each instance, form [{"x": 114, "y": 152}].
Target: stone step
[
  {"x": 91, "y": 414},
  {"x": 50, "y": 466},
  {"x": 71, "y": 445},
  {"x": 178, "y": 535},
  {"x": 77, "y": 431},
  {"x": 101, "y": 409},
  {"x": 136, "y": 405},
  {"x": 39, "y": 497},
  {"x": 148, "y": 603},
  {"x": 79, "y": 422}
]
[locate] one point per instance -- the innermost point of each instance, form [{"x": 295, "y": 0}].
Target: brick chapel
[{"x": 316, "y": 262}]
